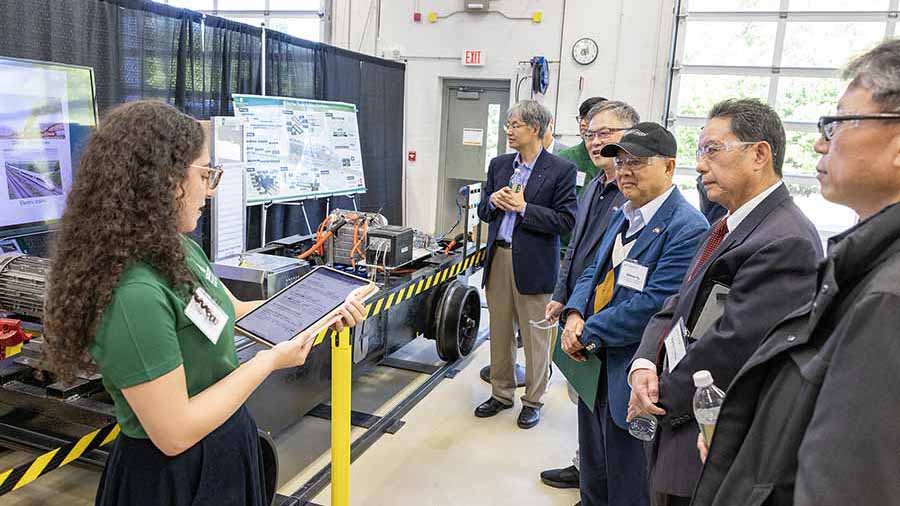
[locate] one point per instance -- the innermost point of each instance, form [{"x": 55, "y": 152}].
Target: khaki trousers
[{"x": 510, "y": 310}]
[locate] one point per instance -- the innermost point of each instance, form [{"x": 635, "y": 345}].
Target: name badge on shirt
[
  {"x": 675, "y": 350},
  {"x": 632, "y": 275},
  {"x": 579, "y": 178},
  {"x": 206, "y": 314}
]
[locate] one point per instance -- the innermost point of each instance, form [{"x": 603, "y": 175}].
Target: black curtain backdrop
[
  {"x": 143, "y": 50},
  {"x": 376, "y": 86}
]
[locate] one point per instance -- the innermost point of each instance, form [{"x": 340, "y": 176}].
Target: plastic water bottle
[
  {"x": 643, "y": 427},
  {"x": 707, "y": 401},
  {"x": 515, "y": 182}
]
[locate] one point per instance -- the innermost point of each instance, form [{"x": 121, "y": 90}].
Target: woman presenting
[{"x": 125, "y": 289}]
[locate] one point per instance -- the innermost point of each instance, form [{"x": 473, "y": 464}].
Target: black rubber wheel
[
  {"x": 457, "y": 320},
  {"x": 270, "y": 464}
]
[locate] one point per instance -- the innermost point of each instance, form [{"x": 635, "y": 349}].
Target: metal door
[{"x": 471, "y": 135}]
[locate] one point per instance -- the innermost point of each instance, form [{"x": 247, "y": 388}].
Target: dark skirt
[{"x": 225, "y": 468}]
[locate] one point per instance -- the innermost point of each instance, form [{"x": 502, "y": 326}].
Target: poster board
[
  {"x": 227, "y": 215},
  {"x": 297, "y": 149}
]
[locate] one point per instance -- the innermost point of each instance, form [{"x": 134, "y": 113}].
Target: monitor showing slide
[
  {"x": 47, "y": 112},
  {"x": 299, "y": 306}
]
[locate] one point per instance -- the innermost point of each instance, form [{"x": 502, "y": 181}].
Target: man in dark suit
[
  {"x": 607, "y": 123},
  {"x": 755, "y": 266},
  {"x": 532, "y": 201},
  {"x": 640, "y": 261},
  {"x": 810, "y": 420}
]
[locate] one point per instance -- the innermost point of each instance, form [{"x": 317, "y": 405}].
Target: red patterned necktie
[{"x": 712, "y": 242}]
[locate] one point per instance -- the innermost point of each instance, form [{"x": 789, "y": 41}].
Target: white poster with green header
[{"x": 298, "y": 149}]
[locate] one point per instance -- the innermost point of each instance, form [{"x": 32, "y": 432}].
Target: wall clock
[{"x": 585, "y": 51}]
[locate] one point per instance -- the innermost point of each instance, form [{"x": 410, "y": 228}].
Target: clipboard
[
  {"x": 713, "y": 309},
  {"x": 583, "y": 376},
  {"x": 309, "y": 304}
]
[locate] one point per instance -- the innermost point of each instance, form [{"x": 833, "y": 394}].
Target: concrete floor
[{"x": 444, "y": 456}]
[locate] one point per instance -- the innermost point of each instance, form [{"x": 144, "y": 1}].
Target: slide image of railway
[
  {"x": 31, "y": 117},
  {"x": 29, "y": 179}
]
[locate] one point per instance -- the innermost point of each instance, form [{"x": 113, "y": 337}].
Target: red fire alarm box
[{"x": 411, "y": 156}]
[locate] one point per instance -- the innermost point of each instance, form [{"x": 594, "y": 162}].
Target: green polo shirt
[
  {"x": 578, "y": 155},
  {"x": 145, "y": 334}
]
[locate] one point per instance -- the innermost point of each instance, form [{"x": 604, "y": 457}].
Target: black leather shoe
[
  {"x": 561, "y": 478},
  {"x": 529, "y": 417},
  {"x": 490, "y": 408},
  {"x": 520, "y": 374}
]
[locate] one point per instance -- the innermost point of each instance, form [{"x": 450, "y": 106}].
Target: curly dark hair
[{"x": 123, "y": 208}]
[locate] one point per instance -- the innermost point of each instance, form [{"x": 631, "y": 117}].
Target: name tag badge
[
  {"x": 579, "y": 178},
  {"x": 206, "y": 314},
  {"x": 632, "y": 275},
  {"x": 675, "y": 349}
]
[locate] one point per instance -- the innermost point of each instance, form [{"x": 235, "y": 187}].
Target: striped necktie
[{"x": 712, "y": 242}]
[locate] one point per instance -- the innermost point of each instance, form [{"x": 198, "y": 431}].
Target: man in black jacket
[
  {"x": 755, "y": 266},
  {"x": 811, "y": 418},
  {"x": 607, "y": 123}
]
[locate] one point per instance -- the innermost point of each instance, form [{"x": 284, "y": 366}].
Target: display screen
[
  {"x": 47, "y": 112},
  {"x": 299, "y": 306}
]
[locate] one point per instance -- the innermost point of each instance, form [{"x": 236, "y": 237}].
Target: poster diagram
[
  {"x": 297, "y": 149},
  {"x": 35, "y": 151}
]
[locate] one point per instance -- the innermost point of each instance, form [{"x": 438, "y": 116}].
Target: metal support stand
[
  {"x": 341, "y": 373},
  {"x": 305, "y": 218},
  {"x": 262, "y": 226}
]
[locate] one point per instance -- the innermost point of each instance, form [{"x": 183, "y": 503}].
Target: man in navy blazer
[
  {"x": 532, "y": 202},
  {"x": 640, "y": 262}
]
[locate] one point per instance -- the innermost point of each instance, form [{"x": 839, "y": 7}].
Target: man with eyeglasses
[
  {"x": 756, "y": 265},
  {"x": 531, "y": 202},
  {"x": 579, "y": 154},
  {"x": 607, "y": 122},
  {"x": 642, "y": 257},
  {"x": 810, "y": 420}
]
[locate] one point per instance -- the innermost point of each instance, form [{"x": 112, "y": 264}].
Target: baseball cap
[{"x": 645, "y": 139}]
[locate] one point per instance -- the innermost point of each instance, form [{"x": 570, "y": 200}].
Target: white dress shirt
[
  {"x": 638, "y": 218},
  {"x": 733, "y": 220}
]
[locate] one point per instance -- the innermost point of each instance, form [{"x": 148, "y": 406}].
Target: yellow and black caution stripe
[
  {"x": 416, "y": 287},
  {"x": 19, "y": 476}
]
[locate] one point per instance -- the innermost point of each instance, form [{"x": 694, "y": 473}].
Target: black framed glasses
[
  {"x": 214, "y": 175},
  {"x": 828, "y": 124}
]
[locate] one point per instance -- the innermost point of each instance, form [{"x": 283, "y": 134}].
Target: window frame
[
  {"x": 265, "y": 15},
  {"x": 782, "y": 17}
]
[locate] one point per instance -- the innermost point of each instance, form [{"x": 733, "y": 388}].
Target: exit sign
[{"x": 473, "y": 58}]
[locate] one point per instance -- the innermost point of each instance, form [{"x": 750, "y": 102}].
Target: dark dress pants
[{"x": 613, "y": 463}]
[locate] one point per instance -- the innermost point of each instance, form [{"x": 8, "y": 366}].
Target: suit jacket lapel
[
  {"x": 536, "y": 179},
  {"x": 748, "y": 225},
  {"x": 606, "y": 244},
  {"x": 584, "y": 210}
]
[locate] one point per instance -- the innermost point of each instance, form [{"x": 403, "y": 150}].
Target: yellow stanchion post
[{"x": 341, "y": 373}]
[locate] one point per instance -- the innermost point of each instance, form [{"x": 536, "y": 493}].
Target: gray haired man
[
  {"x": 531, "y": 203},
  {"x": 606, "y": 123}
]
